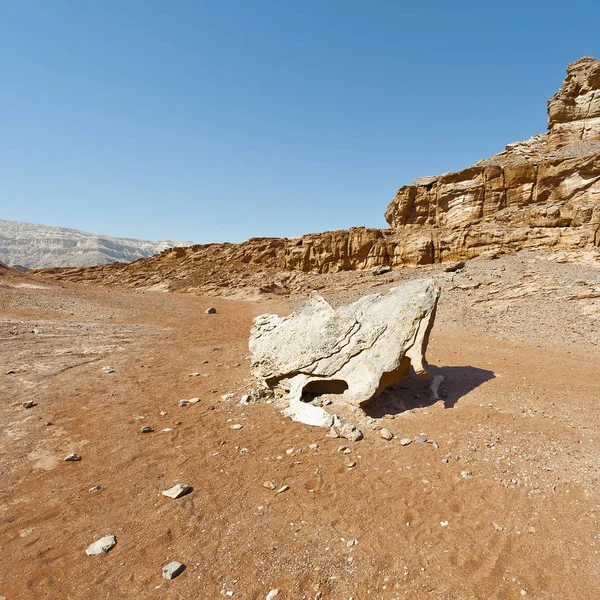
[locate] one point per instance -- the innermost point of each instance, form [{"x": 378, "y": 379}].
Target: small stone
[
  {"x": 181, "y": 489},
  {"x": 29, "y": 404},
  {"x": 146, "y": 429},
  {"x": 245, "y": 399},
  {"x": 211, "y": 311},
  {"x": 172, "y": 570},
  {"x": 269, "y": 484},
  {"x": 445, "y": 460},
  {"x": 236, "y": 427},
  {"x": 107, "y": 370},
  {"x": 350, "y": 432},
  {"x": 455, "y": 267},
  {"x": 444, "y": 523},
  {"x": 72, "y": 457},
  {"x": 405, "y": 441},
  {"x": 96, "y": 488},
  {"x": 380, "y": 269},
  {"x": 386, "y": 434},
  {"x": 163, "y": 413},
  {"x": 351, "y": 543},
  {"x": 497, "y": 527},
  {"x": 420, "y": 439},
  {"x": 282, "y": 489},
  {"x": 313, "y": 446},
  {"x": 194, "y": 374},
  {"x": 466, "y": 475},
  {"x": 194, "y": 400},
  {"x": 333, "y": 433},
  {"x": 102, "y": 546},
  {"x": 289, "y": 451},
  {"x": 166, "y": 430},
  {"x": 183, "y": 403},
  {"x": 272, "y": 594},
  {"x": 347, "y": 451},
  {"x": 351, "y": 465}
]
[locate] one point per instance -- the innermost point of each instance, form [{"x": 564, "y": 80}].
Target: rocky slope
[
  {"x": 39, "y": 246},
  {"x": 543, "y": 193}
]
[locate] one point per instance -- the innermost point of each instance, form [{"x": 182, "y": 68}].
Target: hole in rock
[{"x": 319, "y": 387}]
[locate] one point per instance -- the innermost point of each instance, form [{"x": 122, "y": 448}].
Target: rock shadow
[{"x": 415, "y": 391}]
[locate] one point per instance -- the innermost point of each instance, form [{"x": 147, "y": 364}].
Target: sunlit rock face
[
  {"x": 574, "y": 111},
  {"x": 543, "y": 192}
]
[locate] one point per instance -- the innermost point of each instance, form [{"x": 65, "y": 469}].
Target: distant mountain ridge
[{"x": 40, "y": 246}]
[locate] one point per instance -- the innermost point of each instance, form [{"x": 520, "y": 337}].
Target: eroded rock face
[
  {"x": 543, "y": 192},
  {"x": 356, "y": 350},
  {"x": 574, "y": 111}
]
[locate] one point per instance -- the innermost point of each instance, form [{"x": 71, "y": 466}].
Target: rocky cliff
[
  {"x": 39, "y": 246},
  {"x": 540, "y": 193}
]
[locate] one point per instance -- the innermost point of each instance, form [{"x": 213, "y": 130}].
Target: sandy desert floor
[{"x": 505, "y": 504}]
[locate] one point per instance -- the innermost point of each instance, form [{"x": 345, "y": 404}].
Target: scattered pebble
[
  {"x": 96, "y": 488},
  {"x": 172, "y": 570},
  {"x": 466, "y": 475},
  {"x": 284, "y": 488},
  {"x": 195, "y": 374},
  {"x": 405, "y": 441},
  {"x": 146, "y": 429},
  {"x": 351, "y": 543},
  {"x": 29, "y": 404},
  {"x": 386, "y": 434},
  {"x": 107, "y": 370},
  {"x": 351, "y": 432},
  {"x": 245, "y": 399},
  {"x": 272, "y": 594},
  {"x": 211, "y": 311},
  {"x": 72, "y": 457},
  {"x": 102, "y": 546},
  {"x": 269, "y": 484},
  {"x": 236, "y": 427},
  {"x": 313, "y": 446},
  {"x": 166, "y": 430},
  {"x": 163, "y": 413},
  {"x": 444, "y": 523},
  {"x": 420, "y": 439},
  {"x": 183, "y": 403},
  {"x": 181, "y": 489},
  {"x": 351, "y": 465},
  {"x": 497, "y": 527}
]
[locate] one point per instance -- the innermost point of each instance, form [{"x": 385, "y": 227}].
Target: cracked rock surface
[{"x": 356, "y": 350}]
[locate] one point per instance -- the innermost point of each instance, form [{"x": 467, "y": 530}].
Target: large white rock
[{"x": 356, "y": 350}]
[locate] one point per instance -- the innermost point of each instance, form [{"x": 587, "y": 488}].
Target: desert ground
[{"x": 501, "y": 502}]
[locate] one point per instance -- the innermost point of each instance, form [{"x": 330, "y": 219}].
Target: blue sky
[{"x": 223, "y": 120}]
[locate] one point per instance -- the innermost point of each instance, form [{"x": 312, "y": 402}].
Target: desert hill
[
  {"x": 38, "y": 246},
  {"x": 543, "y": 193}
]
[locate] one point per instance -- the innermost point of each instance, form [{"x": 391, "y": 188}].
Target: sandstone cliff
[{"x": 540, "y": 193}]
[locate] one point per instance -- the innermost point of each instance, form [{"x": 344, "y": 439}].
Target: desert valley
[{"x": 475, "y": 477}]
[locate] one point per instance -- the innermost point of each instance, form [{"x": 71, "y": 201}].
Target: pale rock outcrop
[{"x": 356, "y": 350}]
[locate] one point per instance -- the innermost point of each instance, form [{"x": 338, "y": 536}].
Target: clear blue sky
[{"x": 228, "y": 119}]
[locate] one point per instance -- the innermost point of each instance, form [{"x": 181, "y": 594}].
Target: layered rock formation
[
  {"x": 38, "y": 246},
  {"x": 356, "y": 350},
  {"x": 540, "y": 193},
  {"x": 574, "y": 111},
  {"x": 544, "y": 192}
]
